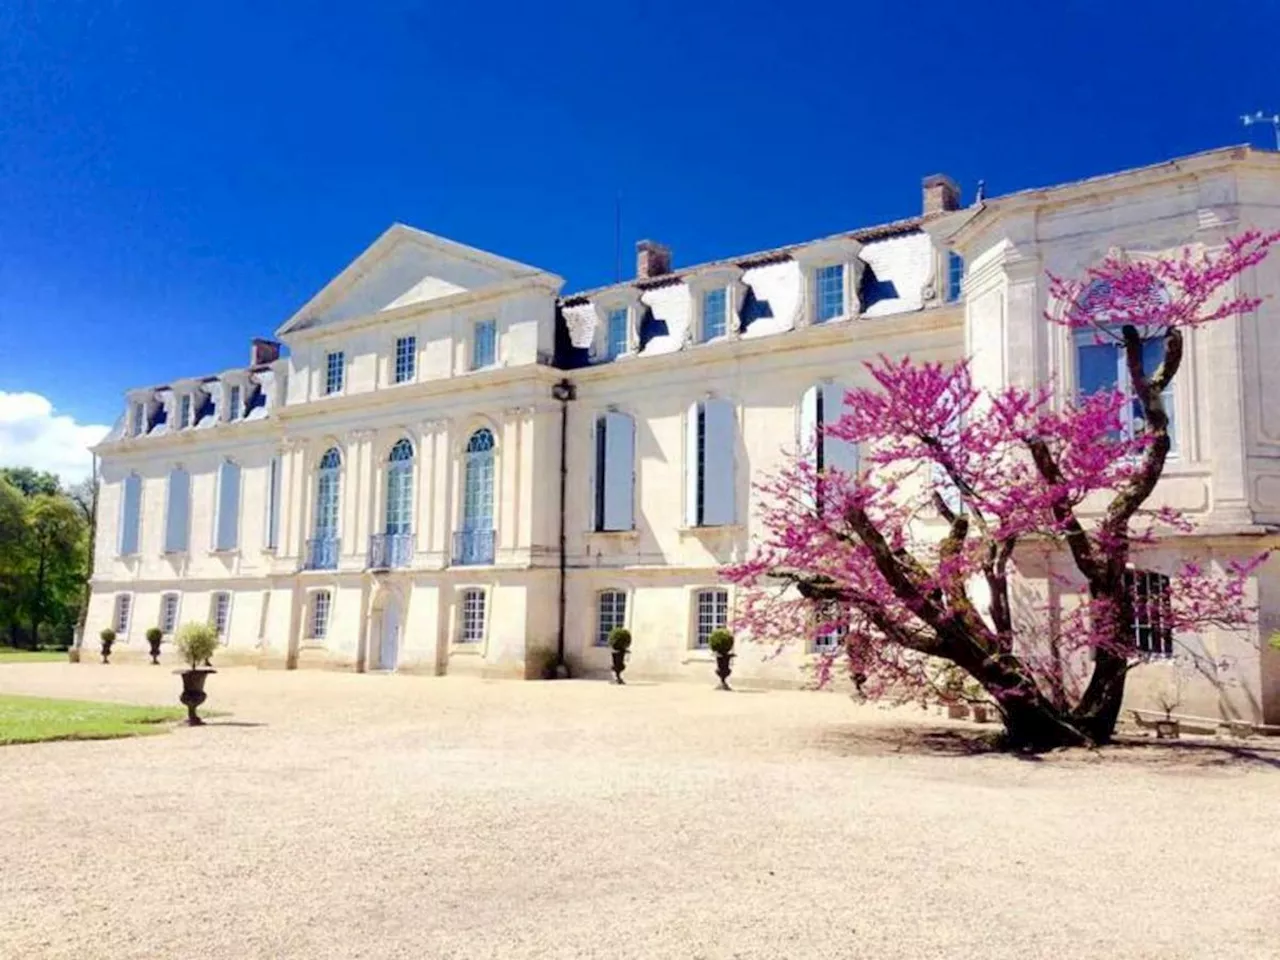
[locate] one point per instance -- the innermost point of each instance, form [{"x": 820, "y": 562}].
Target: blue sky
[{"x": 176, "y": 178}]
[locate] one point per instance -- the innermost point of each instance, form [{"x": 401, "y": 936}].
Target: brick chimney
[
  {"x": 653, "y": 259},
  {"x": 263, "y": 351},
  {"x": 941, "y": 194}
]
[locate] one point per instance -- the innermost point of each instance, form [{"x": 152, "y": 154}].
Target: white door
[{"x": 390, "y": 635}]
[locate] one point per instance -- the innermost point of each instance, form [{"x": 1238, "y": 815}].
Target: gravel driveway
[{"x": 370, "y": 816}]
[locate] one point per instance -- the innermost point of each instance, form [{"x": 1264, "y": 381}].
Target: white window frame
[
  {"x": 335, "y": 372},
  {"x": 404, "y": 359},
  {"x": 122, "y": 614},
  {"x": 842, "y": 301},
  {"x": 235, "y": 401},
  {"x": 1089, "y": 337},
  {"x": 186, "y": 411},
  {"x": 696, "y": 639},
  {"x": 318, "y": 626},
  {"x": 490, "y": 324},
  {"x": 602, "y": 634},
  {"x": 464, "y": 638},
  {"x": 225, "y": 628},
  {"x": 1152, "y": 638},
  {"x": 169, "y": 624},
  {"x": 624, "y": 314}
]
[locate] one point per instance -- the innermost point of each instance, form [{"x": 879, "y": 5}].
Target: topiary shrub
[
  {"x": 107, "y": 636},
  {"x": 154, "y": 635},
  {"x": 620, "y": 639},
  {"x": 196, "y": 643},
  {"x": 540, "y": 663},
  {"x": 720, "y": 642}
]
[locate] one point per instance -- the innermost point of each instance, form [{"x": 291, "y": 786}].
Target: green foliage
[
  {"x": 1274, "y": 642},
  {"x": 107, "y": 635},
  {"x": 32, "y": 719},
  {"x": 541, "y": 663},
  {"x": 154, "y": 634},
  {"x": 44, "y": 557},
  {"x": 620, "y": 639},
  {"x": 720, "y": 641},
  {"x": 196, "y": 642}
]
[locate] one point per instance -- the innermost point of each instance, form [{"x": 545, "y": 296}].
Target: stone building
[{"x": 387, "y": 494}]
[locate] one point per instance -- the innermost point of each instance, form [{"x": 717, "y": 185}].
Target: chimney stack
[
  {"x": 941, "y": 195},
  {"x": 653, "y": 259},
  {"x": 263, "y": 351}
]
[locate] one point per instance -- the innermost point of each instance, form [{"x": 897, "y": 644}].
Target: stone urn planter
[
  {"x": 154, "y": 639},
  {"x": 981, "y": 712},
  {"x": 196, "y": 642},
  {"x": 619, "y": 646},
  {"x": 721, "y": 644},
  {"x": 957, "y": 711},
  {"x": 108, "y": 637},
  {"x": 1168, "y": 729}
]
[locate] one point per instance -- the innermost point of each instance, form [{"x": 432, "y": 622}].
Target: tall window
[
  {"x": 177, "y": 524},
  {"x": 616, "y": 334},
  {"x": 484, "y": 345},
  {"x": 327, "y": 495},
  {"x": 320, "y": 603},
  {"x": 612, "y": 613},
  {"x": 227, "y": 529},
  {"x": 472, "y": 616},
  {"x": 713, "y": 614},
  {"x": 184, "y": 411},
  {"x": 138, "y": 412},
  {"x": 1152, "y": 612},
  {"x": 120, "y": 622},
  {"x": 218, "y": 616},
  {"x": 710, "y": 442},
  {"x": 477, "y": 494},
  {"x": 955, "y": 275},
  {"x": 406, "y": 358},
  {"x": 615, "y": 472},
  {"x": 273, "y": 503},
  {"x": 820, "y": 407},
  {"x": 130, "y": 514},
  {"x": 400, "y": 488},
  {"x": 335, "y": 368},
  {"x": 1101, "y": 366},
  {"x": 168, "y": 613},
  {"x": 234, "y": 403},
  {"x": 830, "y": 292},
  {"x": 715, "y": 321}
]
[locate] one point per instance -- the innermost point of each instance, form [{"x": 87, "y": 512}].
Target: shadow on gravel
[
  {"x": 1172, "y": 755},
  {"x": 233, "y": 723}
]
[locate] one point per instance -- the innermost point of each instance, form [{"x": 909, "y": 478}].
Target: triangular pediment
[{"x": 403, "y": 267}]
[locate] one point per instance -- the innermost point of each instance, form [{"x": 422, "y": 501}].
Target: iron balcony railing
[
  {"x": 322, "y": 554},
  {"x": 473, "y": 547},
  {"x": 390, "y": 550}
]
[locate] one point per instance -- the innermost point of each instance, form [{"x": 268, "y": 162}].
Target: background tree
[
  {"x": 1009, "y": 472},
  {"x": 31, "y": 481}
]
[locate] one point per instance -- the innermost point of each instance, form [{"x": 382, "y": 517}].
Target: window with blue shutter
[
  {"x": 177, "y": 525},
  {"x": 227, "y": 532},
  {"x": 130, "y": 514},
  {"x": 955, "y": 275},
  {"x": 615, "y": 472}
]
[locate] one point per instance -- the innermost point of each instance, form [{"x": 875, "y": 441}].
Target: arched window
[
  {"x": 400, "y": 488},
  {"x": 323, "y": 549},
  {"x": 474, "y": 542}
]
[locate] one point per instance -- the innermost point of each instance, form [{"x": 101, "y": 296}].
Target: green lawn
[
  {"x": 14, "y": 655},
  {"x": 32, "y": 719}
]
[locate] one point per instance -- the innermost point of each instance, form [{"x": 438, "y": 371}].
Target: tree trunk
[{"x": 1038, "y": 725}]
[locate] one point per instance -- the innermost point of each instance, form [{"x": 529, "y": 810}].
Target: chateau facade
[{"x": 387, "y": 495}]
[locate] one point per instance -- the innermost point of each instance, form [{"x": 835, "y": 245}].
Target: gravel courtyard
[{"x": 350, "y": 816}]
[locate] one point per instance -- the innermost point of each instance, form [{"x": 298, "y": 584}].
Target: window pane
[
  {"x": 830, "y": 282},
  {"x": 616, "y": 344},
  {"x": 233, "y": 404},
  {"x": 472, "y": 616},
  {"x": 713, "y": 613},
  {"x": 1096, "y": 367},
  {"x": 335, "y": 365},
  {"x": 484, "y": 346},
  {"x": 406, "y": 358},
  {"x": 168, "y": 612},
  {"x": 320, "y": 615},
  {"x": 714, "y": 315},
  {"x": 955, "y": 275},
  {"x": 612, "y": 614},
  {"x": 221, "y": 607}
]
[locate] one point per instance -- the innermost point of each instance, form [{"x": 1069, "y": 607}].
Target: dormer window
[
  {"x": 616, "y": 334},
  {"x": 184, "y": 412},
  {"x": 829, "y": 301},
  {"x": 715, "y": 315},
  {"x": 234, "y": 403},
  {"x": 955, "y": 275},
  {"x": 139, "y": 418}
]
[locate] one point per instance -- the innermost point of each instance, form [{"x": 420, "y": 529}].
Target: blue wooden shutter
[
  {"x": 837, "y": 454},
  {"x": 177, "y": 520},
  {"x": 719, "y": 442},
  {"x": 130, "y": 515},
  {"x": 227, "y": 536},
  {"x": 808, "y": 440},
  {"x": 692, "y": 466},
  {"x": 273, "y": 503},
  {"x": 619, "y": 471}
]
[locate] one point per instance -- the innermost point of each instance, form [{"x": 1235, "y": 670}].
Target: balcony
[
  {"x": 322, "y": 554},
  {"x": 473, "y": 547},
  {"x": 389, "y": 551}
]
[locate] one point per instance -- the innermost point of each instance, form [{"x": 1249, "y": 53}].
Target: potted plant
[
  {"x": 196, "y": 643},
  {"x": 1169, "y": 697},
  {"x": 721, "y": 644},
  {"x": 952, "y": 693},
  {"x": 108, "y": 637},
  {"x": 619, "y": 645},
  {"x": 154, "y": 639}
]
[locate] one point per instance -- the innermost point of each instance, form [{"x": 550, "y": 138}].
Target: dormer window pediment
[
  {"x": 831, "y": 272},
  {"x": 716, "y": 295},
  {"x": 618, "y": 313}
]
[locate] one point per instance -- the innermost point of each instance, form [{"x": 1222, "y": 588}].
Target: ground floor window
[
  {"x": 830, "y": 636},
  {"x": 472, "y": 616},
  {"x": 1152, "y": 612},
  {"x": 168, "y": 613},
  {"x": 320, "y": 603},
  {"x": 713, "y": 614},
  {"x": 612, "y": 612},
  {"x": 221, "y": 610},
  {"x": 121, "y": 619}
]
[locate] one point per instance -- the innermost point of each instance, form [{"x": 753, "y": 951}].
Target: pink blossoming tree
[{"x": 912, "y": 563}]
